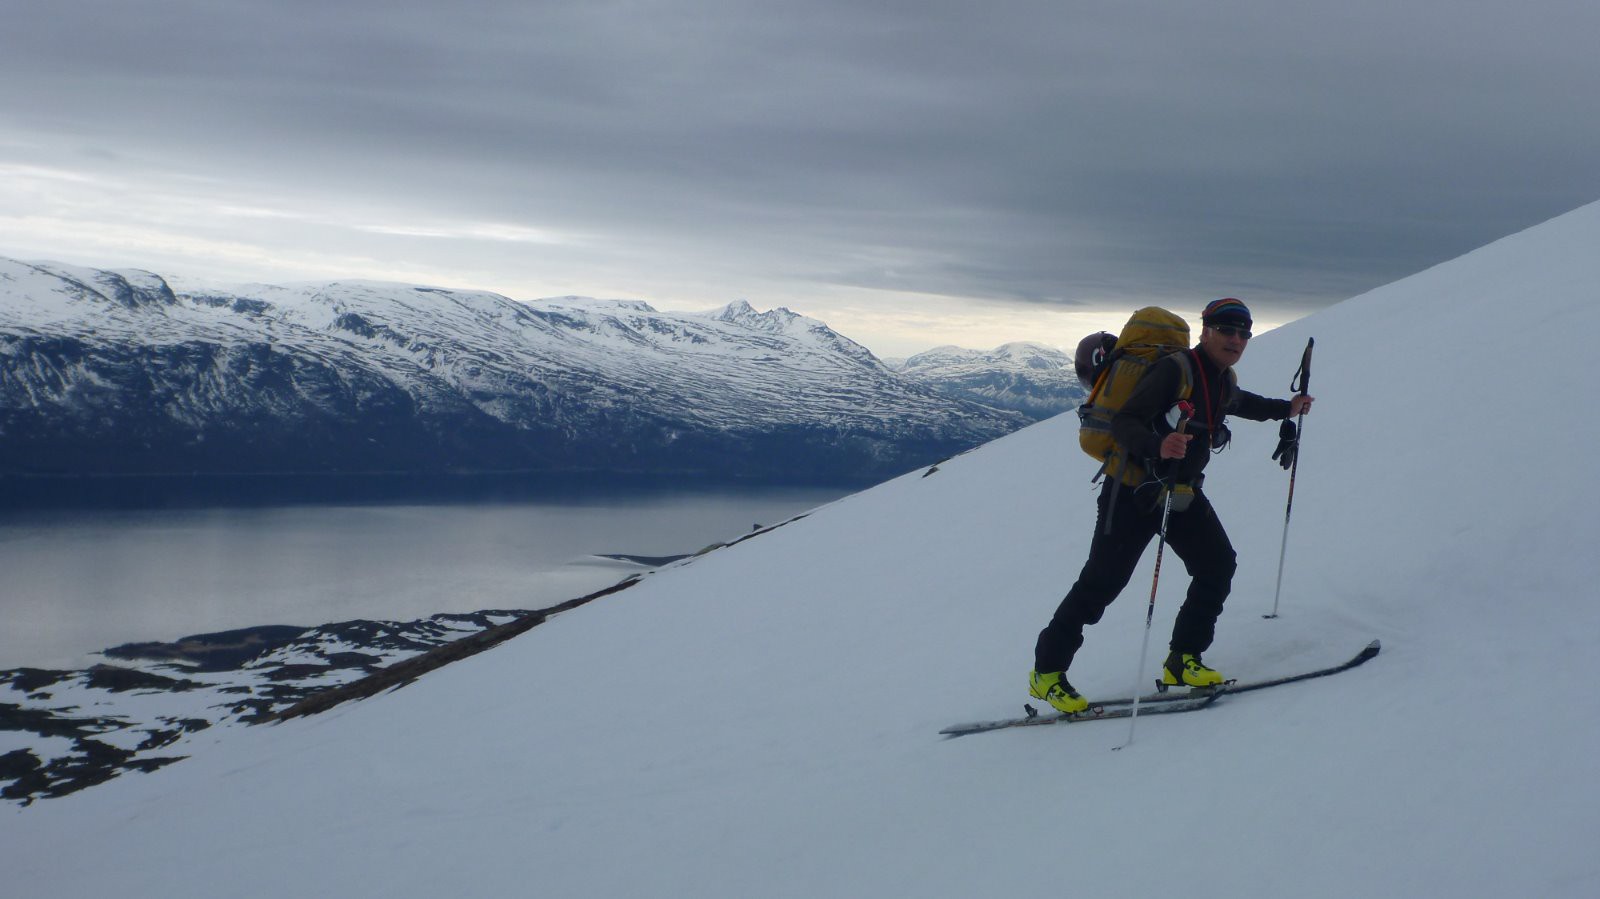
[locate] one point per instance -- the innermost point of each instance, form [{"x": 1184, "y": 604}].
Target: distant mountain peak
[
  {"x": 778, "y": 321},
  {"x": 597, "y": 303},
  {"x": 1018, "y": 351},
  {"x": 1022, "y": 376},
  {"x": 129, "y": 288},
  {"x": 786, "y": 322}
]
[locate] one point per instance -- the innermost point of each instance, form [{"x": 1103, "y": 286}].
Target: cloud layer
[{"x": 1044, "y": 155}]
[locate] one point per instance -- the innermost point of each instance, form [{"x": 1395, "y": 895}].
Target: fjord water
[{"x": 74, "y": 582}]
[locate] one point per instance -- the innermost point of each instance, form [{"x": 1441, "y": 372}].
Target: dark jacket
[{"x": 1141, "y": 424}]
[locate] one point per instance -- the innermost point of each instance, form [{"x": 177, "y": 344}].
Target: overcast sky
[{"x": 914, "y": 173}]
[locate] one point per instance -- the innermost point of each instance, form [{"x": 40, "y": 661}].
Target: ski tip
[{"x": 1372, "y": 649}]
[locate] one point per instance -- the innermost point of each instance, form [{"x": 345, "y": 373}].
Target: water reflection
[{"x": 74, "y": 582}]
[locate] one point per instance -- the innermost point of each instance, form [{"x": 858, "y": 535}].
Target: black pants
[{"x": 1195, "y": 536}]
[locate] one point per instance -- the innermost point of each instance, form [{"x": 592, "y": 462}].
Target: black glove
[{"x": 1288, "y": 445}]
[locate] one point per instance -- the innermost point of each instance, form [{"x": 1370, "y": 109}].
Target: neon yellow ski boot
[
  {"x": 1186, "y": 669},
  {"x": 1053, "y": 688}
]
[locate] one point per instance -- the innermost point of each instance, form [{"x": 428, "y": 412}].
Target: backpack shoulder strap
[
  {"x": 1228, "y": 398},
  {"x": 1185, "y": 375}
]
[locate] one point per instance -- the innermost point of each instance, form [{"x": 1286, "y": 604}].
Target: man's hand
[
  {"x": 1175, "y": 445},
  {"x": 1300, "y": 405}
]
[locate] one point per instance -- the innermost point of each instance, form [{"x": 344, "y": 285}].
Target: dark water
[
  {"x": 20, "y": 493},
  {"x": 138, "y": 563}
]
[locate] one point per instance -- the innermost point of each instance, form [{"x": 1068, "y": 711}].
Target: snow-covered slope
[
  {"x": 1030, "y": 378},
  {"x": 115, "y": 372},
  {"x": 761, "y": 721}
]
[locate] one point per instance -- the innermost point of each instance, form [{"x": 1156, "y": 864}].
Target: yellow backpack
[{"x": 1150, "y": 335}]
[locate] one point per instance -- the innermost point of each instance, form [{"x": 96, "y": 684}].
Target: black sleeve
[
  {"x": 1258, "y": 408},
  {"x": 1133, "y": 427}
]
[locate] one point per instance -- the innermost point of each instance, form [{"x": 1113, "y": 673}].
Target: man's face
[{"x": 1224, "y": 345}]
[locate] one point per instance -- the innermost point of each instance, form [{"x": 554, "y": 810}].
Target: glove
[{"x": 1288, "y": 445}]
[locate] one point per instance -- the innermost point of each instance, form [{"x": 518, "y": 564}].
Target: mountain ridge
[
  {"x": 1032, "y": 378},
  {"x": 115, "y": 372}
]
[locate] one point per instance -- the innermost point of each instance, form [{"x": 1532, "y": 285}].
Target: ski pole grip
[
  {"x": 1185, "y": 412},
  {"x": 1301, "y": 383}
]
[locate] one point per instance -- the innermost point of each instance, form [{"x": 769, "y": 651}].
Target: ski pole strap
[{"x": 1301, "y": 382}]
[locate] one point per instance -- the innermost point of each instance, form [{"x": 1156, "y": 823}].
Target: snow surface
[{"x": 762, "y": 720}]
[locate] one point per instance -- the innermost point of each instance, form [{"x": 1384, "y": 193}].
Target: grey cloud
[{"x": 1049, "y": 152}]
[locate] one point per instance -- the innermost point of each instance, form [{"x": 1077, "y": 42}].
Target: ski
[
  {"x": 1162, "y": 703},
  {"x": 1097, "y": 712},
  {"x": 1165, "y": 693}
]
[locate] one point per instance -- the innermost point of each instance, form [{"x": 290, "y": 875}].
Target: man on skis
[{"x": 1146, "y": 429}]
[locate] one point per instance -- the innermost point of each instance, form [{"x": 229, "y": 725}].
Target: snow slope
[{"x": 761, "y": 721}]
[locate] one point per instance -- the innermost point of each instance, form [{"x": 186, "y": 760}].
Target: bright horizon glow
[{"x": 234, "y": 239}]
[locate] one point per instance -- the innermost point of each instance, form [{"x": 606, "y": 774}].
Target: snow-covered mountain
[
  {"x": 763, "y": 720},
  {"x": 1030, "y": 378},
  {"x": 104, "y": 371}
]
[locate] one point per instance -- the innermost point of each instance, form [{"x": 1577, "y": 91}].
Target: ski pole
[
  {"x": 1302, "y": 376},
  {"x": 1184, "y": 411}
]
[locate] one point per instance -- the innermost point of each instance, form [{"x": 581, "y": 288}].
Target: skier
[{"x": 1147, "y": 429}]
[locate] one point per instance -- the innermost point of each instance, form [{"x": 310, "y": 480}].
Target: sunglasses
[{"x": 1230, "y": 331}]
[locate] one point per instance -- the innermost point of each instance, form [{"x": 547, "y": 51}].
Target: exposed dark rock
[
  {"x": 223, "y": 651},
  {"x": 117, "y": 679}
]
